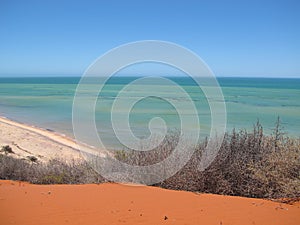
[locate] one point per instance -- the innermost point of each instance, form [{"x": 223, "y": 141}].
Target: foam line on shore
[{"x": 42, "y": 142}]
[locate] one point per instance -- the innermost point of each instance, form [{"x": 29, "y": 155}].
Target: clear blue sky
[{"x": 235, "y": 38}]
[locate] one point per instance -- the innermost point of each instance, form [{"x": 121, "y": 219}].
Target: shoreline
[{"x": 27, "y": 140}]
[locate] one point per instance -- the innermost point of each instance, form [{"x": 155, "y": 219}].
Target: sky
[{"x": 235, "y": 38}]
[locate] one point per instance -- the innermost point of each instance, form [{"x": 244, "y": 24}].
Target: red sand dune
[{"x": 23, "y": 203}]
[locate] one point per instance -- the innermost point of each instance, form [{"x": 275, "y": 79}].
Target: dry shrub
[
  {"x": 7, "y": 149},
  {"x": 248, "y": 164},
  {"x": 56, "y": 171},
  {"x": 279, "y": 172},
  {"x": 144, "y": 158}
]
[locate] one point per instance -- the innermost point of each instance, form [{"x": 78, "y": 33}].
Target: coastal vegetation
[{"x": 250, "y": 164}]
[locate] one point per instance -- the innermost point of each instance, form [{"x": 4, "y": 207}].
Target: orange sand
[{"x": 23, "y": 203}]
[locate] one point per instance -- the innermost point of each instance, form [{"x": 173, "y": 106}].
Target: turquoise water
[{"x": 47, "y": 103}]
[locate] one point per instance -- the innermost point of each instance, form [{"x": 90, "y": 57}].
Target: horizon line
[{"x": 123, "y": 75}]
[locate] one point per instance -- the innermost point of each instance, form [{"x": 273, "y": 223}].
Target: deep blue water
[{"x": 278, "y": 83}]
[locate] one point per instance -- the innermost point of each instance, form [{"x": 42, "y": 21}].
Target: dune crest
[{"x": 23, "y": 203}]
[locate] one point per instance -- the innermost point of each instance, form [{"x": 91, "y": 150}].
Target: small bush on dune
[
  {"x": 32, "y": 159},
  {"x": 279, "y": 172},
  {"x": 15, "y": 169},
  {"x": 54, "y": 172},
  {"x": 7, "y": 149}
]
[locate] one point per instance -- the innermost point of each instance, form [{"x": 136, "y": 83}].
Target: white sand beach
[{"x": 26, "y": 140}]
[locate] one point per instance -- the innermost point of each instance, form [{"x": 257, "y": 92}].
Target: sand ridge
[{"x": 90, "y": 204}]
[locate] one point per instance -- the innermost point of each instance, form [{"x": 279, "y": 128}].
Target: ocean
[{"x": 47, "y": 103}]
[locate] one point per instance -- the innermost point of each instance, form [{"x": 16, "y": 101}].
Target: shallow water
[{"x": 47, "y": 103}]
